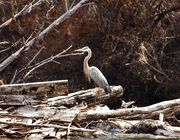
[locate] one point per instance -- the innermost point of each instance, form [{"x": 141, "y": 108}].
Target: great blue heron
[{"x": 93, "y": 72}]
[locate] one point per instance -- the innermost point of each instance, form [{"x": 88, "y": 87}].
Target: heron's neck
[{"x": 86, "y": 65}]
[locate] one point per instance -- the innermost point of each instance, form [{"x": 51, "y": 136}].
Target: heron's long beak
[{"x": 79, "y": 50}]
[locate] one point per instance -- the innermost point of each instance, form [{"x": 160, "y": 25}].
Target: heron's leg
[
  {"x": 95, "y": 87},
  {"x": 95, "y": 91}
]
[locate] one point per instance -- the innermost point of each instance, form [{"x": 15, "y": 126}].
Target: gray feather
[{"x": 97, "y": 76}]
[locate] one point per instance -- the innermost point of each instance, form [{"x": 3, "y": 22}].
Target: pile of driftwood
[{"x": 47, "y": 110}]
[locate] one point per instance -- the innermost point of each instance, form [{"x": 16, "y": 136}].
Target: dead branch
[
  {"x": 13, "y": 45},
  {"x": 88, "y": 96},
  {"x": 11, "y": 58},
  {"x": 51, "y": 27},
  {"x": 50, "y": 59},
  {"x": 27, "y": 9},
  {"x": 4, "y": 43},
  {"x": 35, "y": 56},
  {"x": 55, "y": 23},
  {"x": 166, "y": 107}
]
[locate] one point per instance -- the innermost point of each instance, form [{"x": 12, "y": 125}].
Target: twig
[
  {"x": 50, "y": 59},
  {"x": 4, "y": 43},
  {"x": 66, "y": 5},
  {"x": 72, "y": 4},
  {"x": 13, "y": 45},
  {"x": 69, "y": 129},
  {"x": 15, "y": 73},
  {"x": 35, "y": 56}
]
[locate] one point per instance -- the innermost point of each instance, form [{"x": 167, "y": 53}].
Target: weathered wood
[
  {"x": 152, "y": 111},
  {"x": 146, "y": 126},
  {"x": 51, "y": 114},
  {"x": 32, "y": 93},
  {"x": 12, "y": 123},
  {"x": 21, "y": 100},
  {"x": 48, "y": 88},
  {"x": 90, "y": 97}
]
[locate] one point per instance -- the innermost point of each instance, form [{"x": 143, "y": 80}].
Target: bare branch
[
  {"x": 51, "y": 27},
  {"x": 51, "y": 59},
  {"x": 27, "y": 9}
]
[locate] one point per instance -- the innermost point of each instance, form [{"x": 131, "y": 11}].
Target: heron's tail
[{"x": 108, "y": 89}]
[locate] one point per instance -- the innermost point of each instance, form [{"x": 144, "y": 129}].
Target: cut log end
[{"x": 116, "y": 91}]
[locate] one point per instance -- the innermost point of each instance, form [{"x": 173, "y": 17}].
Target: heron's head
[{"x": 84, "y": 49}]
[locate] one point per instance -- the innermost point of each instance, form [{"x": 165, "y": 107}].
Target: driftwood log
[
  {"x": 42, "y": 119},
  {"x": 90, "y": 97},
  {"x": 32, "y": 93},
  {"x": 168, "y": 108}
]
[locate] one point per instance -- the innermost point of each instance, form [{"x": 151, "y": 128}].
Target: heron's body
[{"x": 93, "y": 72}]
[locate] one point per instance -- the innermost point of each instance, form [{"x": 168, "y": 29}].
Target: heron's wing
[{"x": 97, "y": 76}]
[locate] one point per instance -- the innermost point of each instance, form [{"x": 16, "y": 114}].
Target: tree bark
[
  {"x": 90, "y": 97},
  {"x": 168, "y": 108},
  {"x": 32, "y": 93}
]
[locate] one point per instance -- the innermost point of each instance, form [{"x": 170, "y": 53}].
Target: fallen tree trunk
[
  {"x": 168, "y": 108},
  {"x": 48, "y": 88},
  {"x": 32, "y": 93},
  {"x": 90, "y": 97}
]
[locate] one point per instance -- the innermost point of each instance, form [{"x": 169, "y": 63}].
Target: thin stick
[
  {"x": 51, "y": 59},
  {"x": 35, "y": 56},
  {"x": 15, "y": 73}
]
